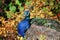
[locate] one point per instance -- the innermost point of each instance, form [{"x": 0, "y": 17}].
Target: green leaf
[
  {"x": 12, "y": 9},
  {"x": 28, "y": 3},
  {"x": 17, "y": 2},
  {"x": 51, "y": 3},
  {"x": 45, "y": 9},
  {"x": 46, "y": 3},
  {"x": 21, "y": 8}
]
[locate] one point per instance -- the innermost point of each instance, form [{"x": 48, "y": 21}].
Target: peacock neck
[{"x": 27, "y": 18}]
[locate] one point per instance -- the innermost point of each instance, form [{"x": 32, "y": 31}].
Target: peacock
[{"x": 25, "y": 24}]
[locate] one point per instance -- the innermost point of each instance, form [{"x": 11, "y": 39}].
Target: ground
[{"x": 42, "y": 33}]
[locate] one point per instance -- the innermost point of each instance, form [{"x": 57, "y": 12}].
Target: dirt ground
[{"x": 42, "y": 33}]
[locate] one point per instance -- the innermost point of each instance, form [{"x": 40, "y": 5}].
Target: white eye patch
[{"x": 26, "y": 13}]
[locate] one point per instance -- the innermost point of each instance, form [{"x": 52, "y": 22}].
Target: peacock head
[{"x": 27, "y": 14}]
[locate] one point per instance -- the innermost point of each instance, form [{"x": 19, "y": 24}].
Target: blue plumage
[{"x": 24, "y": 25}]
